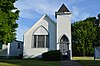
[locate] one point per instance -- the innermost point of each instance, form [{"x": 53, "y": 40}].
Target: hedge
[{"x": 54, "y": 55}]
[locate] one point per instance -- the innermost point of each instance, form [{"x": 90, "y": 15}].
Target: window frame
[
  {"x": 18, "y": 46},
  {"x": 36, "y": 41}
]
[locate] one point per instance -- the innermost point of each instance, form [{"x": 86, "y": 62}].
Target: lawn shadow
[{"x": 28, "y": 62}]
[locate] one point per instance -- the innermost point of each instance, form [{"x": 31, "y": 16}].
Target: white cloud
[
  {"x": 29, "y": 8},
  {"x": 26, "y": 7},
  {"x": 79, "y": 14},
  {"x": 33, "y": 8},
  {"x": 20, "y": 32},
  {"x": 75, "y": 1},
  {"x": 27, "y": 14}
]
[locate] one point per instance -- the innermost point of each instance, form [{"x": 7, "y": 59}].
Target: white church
[{"x": 46, "y": 35}]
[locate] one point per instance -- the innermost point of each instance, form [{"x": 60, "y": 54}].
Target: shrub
[{"x": 54, "y": 55}]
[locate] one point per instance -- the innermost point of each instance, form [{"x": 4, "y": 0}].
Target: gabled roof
[
  {"x": 63, "y": 8},
  {"x": 43, "y": 17},
  {"x": 50, "y": 19}
]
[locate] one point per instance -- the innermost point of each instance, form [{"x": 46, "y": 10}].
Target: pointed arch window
[
  {"x": 40, "y": 38},
  {"x": 64, "y": 39}
]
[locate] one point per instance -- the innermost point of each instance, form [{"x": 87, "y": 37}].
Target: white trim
[
  {"x": 61, "y": 37},
  {"x": 60, "y": 13},
  {"x": 32, "y": 43},
  {"x": 52, "y": 21},
  {"x": 38, "y": 28}
]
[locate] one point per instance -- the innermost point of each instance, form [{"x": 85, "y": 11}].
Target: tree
[
  {"x": 98, "y": 28},
  {"x": 8, "y": 19},
  {"x": 83, "y": 34},
  {"x": 96, "y": 42}
]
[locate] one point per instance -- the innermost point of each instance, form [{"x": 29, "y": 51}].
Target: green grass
[
  {"x": 83, "y": 58},
  {"x": 87, "y": 61},
  {"x": 29, "y": 62}
]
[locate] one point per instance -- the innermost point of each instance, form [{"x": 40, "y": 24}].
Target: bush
[{"x": 52, "y": 55}]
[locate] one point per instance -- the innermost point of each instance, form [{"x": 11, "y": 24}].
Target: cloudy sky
[{"x": 32, "y": 10}]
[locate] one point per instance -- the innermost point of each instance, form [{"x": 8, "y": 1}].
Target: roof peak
[{"x": 63, "y": 8}]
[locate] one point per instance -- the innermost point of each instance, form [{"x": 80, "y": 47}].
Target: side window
[{"x": 18, "y": 46}]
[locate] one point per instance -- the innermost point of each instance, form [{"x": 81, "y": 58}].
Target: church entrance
[{"x": 64, "y": 47}]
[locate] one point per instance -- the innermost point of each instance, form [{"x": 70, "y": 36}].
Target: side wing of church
[
  {"x": 46, "y": 35},
  {"x": 40, "y": 38}
]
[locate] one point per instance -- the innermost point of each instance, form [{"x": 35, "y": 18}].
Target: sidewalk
[{"x": 70, "y": 63}]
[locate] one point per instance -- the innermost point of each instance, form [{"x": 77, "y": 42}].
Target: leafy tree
[
  {"x": 98, "y": 28},
  {"x": 8, "y": 19},
  {"x": 83, "y": 34},
  {"x": 97, "y": 40}
]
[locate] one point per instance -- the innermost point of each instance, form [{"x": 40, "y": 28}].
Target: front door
[{"x": 64, "y": 48}]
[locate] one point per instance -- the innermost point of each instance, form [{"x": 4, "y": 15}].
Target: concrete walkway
[{"x": 70, "y": 63}]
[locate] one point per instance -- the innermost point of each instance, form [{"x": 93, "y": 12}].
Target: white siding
[
  {"x": 64, "y": 27},
  {"x": 46, "y": 22},
  {"x": 14, "y": 50},
  {"x": 40, "y": 31},
  {"x": 11, "y": 49}
]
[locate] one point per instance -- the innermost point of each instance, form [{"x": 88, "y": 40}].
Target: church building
[{"x": 46, "y": 35}]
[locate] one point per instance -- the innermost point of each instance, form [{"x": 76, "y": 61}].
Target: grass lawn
[
  {"x": 29, "y": 62},
  {"x": 87, "y": 61}
]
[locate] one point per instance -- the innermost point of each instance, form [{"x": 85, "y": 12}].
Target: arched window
[
  {"x": 64, "y": 45},
  {"x": 40, "y": 38},
  {"x": 64, "y": 39}
]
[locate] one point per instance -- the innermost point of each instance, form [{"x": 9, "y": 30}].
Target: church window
[
  {"x": 63, "y": 39},
  {"x": 40, "y": 41},
  {"x": 18, "y": 46}
]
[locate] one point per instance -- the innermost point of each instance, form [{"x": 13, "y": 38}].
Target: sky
[{"x": 32, "y": 10}]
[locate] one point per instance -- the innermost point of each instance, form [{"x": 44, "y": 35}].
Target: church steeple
[
  {"x": 63, "y": 16},
  {"x": 63, "y": 8}
]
